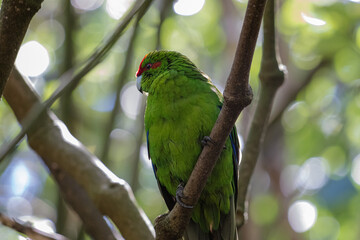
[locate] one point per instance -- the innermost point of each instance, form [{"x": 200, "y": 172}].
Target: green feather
[{"x": 182, "y": 108}]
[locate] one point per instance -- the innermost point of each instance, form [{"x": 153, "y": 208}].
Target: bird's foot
[
  {"x": 207, "y": 141},
  {"x": 180, "y": 195}
]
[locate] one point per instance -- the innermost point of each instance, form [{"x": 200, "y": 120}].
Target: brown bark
[
  {"x": 15, "y": 16},
  {"x": 271, "y": 78}
]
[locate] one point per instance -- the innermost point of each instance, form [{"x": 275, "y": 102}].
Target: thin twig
[
  {"x": 166, "y": 7},
  {"x": 27, "y": 229},
  {"x": 271, "y": 78},
  {"x": 121, "y": 79},
  {"x": 67, "y": 105}
]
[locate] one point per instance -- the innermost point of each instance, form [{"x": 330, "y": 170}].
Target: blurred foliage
[{"x": 320, "y": 129}]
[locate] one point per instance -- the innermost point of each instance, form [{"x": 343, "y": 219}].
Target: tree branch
[
  {"x": 121, "y": 79},
  {"x": 271, "y": 78},
  {"x": 78, "y": 199},
  {"x": 58, "y": 148},
  {"x": 237, "y": 95},
  {"x": 14, "y": 14},
  {"x": 290, "y": 89},
  {"x": 28, "y": 230}
]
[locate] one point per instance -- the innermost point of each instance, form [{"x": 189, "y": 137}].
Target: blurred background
[{"x": 306, "y": 184}]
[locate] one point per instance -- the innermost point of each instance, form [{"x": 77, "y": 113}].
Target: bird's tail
[
  {"x": 193, "y": 231},
  {"x": 226, "y": 231}
]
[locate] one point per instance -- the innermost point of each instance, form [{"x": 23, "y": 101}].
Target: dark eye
[{"x": 148, "y": 66}]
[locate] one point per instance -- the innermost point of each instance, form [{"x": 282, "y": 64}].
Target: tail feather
[
  {"x": 194, "y": 232},
  {"x": 226, "y": 231}
]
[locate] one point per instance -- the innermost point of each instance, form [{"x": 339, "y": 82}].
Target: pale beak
[{"x": 138, "y": 83}]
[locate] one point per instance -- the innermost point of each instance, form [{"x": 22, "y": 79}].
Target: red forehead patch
[
  {"x": 140, "y": 70},
  {"x": 147, "y": 67}
]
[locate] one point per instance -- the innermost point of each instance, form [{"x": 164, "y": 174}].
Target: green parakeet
[{"x": 182, "y": 107}]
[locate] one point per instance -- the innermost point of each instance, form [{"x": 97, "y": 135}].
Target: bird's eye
[{"x": 148, "y": 66}]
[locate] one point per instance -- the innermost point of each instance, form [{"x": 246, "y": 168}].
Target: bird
[{"x": 181, "y": 109}]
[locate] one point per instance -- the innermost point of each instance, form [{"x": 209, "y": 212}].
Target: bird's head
[
  {"x": 152, "y": 65},
  {"x": 159, "y": 64}
]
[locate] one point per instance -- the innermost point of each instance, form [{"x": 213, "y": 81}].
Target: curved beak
[{"x": 138, "y": 83}]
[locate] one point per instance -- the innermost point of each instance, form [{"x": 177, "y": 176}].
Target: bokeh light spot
[
  {"x": 188, "y": 7},
  {"x": 289, "y": 179},
  {"x": 130, "y": 100},
  {"x": 302, "y": 216},
  {"x": 44, "y": 225},
  {"x": 355, "y": 169},
  {"x": 32, "y": 59},
  {"x": 20, "y": 179},
  {"x": 313, "y": 174},
  {"x": 117, "y": 8},
  {"x": 312, "y": 20},
  {"x": 87, "y": 5},
  {"x": 295, "y": 117}
]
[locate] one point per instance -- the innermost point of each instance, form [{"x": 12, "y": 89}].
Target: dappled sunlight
[
  {"x": 130, "y": 100},
  {"x": 44, "y": 225},
  {"x": 302, "y": 216},
  {"x": 67, "y": 136},
  {"x": 188, "y": 7},
  {"x": 56, "y": 31},
  {"x": 312, "y": 20},
  {"x": 32, "y": 59},
  {"x": 289, "y": 180},
  {"x": 355, "y": 170},
  {"x": 144, "y": 155},
  {"x": 117, "y": 8},
  {"x": 20, "y": 179},
  {"x": 313, "y": 174},
  {"x": 112, "y": 177},
  {"x": 87, "y": 5}
]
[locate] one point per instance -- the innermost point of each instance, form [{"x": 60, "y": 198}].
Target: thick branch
[
  {"x": 237, "y": 96},
  {"x": 15, "y": 17},
  {"x": 53, "y": 142},
  {"x": 28, "y": 230},
  {"x": 271, "y": 77},
  {"x": 79, "y": 200}
]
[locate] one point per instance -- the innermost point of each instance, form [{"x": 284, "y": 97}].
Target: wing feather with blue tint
[{"x": 235, "y": 147}]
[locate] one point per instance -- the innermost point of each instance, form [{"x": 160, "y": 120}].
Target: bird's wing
[
  {"x": 235, "y": 147},
  {"x": 169, "y": 200}
]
